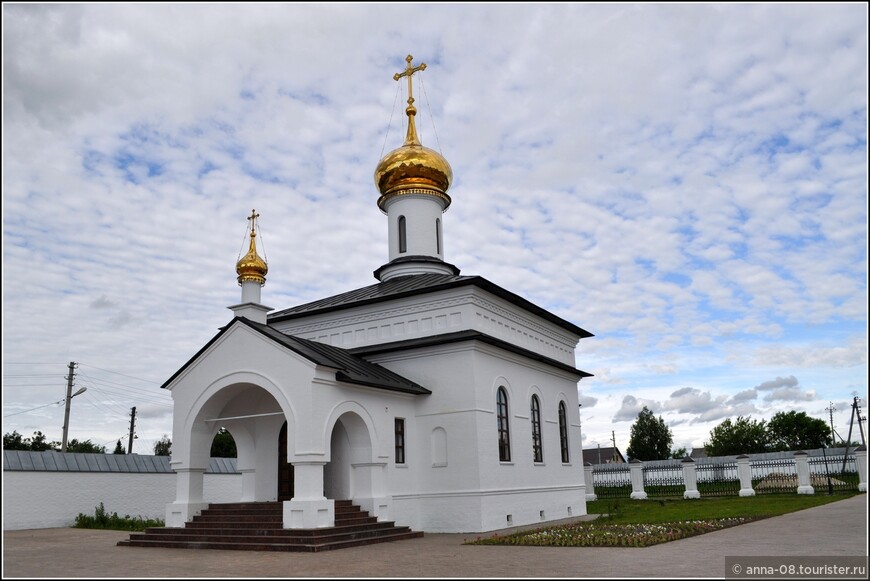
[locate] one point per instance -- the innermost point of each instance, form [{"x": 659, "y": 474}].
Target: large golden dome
[
  {"x": 412, "y": 168},
  {"x": 251, "y": 267}
]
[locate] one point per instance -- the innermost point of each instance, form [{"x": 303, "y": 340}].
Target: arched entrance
[
  {"x": 285, "y": 469},
  {"x": 347, "y": 474}
]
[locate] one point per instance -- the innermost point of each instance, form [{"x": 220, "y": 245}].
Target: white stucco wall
[{"x": 37, "y": 500}]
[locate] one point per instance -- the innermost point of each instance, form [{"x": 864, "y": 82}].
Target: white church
[{"x": 439, "y": 401}]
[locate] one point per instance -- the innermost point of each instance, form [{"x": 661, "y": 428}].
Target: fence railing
[{"x": 766, "y": 474}]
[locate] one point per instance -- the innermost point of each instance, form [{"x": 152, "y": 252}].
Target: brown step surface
[{"x": 258, "y": 526}]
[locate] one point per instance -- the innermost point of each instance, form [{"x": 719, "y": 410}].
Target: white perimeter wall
[{"x": 39, "y": 500}]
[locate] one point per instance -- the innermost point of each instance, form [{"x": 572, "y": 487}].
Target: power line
[
  {"x": 36, "y": 408},
  {"x": 118, "y": 373}
]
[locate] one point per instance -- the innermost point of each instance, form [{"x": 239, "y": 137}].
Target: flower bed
[{"x": 603, "y": 534}]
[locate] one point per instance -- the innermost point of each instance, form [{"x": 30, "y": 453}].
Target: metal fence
[
  {"x": 663, "y": 480},
  {"x": 771, "y": 473},
  {"x": 611, "y": 480},
  {"x": 717, "y": 478},
  {"x": 773, "y": 476},
  {"x": 833, "y": 473}
]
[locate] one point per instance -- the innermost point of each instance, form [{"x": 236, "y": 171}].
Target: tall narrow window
[
  {"x": 403, "y": 235},
  {"x": 537, "y": 448},
  {"x": 400, "y": 441},
  {"x": 504, "y": 439},
  {"x": 438, "y": 235},
  {"x": 563, "y": 431}
]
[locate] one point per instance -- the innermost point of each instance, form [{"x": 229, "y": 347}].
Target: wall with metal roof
[{"x": 51, "y": 461}]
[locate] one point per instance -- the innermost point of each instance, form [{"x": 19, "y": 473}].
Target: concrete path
[{"x": 835, "y": 529}]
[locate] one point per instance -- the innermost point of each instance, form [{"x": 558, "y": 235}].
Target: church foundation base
[
  {"x": 309, "y": 514},
  {"x": 376, "y": 506},
  {"x": 178, "y": 513}
]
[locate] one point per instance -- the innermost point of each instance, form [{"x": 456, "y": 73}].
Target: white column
[
  {"x": 744, "y": 472},
  {"x": 690, "y": 478},
  {"x": 802, "y": 467},
  {"x": 636, "y": 469},
  {"x": 861, "y": 461},
  {"x": 188, "y": 496},
  {"x": 249, "y": 483},
  {"x": 590, "y": 485},
  {"x": 308, "y": 509},
  {"x": 368, "y": 477}
]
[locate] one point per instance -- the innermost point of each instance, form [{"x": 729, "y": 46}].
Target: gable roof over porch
[{"x": 349, "y": 368}]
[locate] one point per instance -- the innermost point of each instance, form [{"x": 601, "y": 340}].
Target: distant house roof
[
  {"x": 52, "y": 461},
  {"x": 603, "y": 455},
  {"x": 698, "y": 453},
  {"x": 406, "y": 286}
]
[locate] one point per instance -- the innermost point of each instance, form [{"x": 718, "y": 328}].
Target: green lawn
[
  {"x": 641, "y": 523},
  {"x": 627, "y": 511}
]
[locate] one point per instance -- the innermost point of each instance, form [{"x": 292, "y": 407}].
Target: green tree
[
  {"x": 37, "y": 443},
  {"x": 119, "y": 449},
  {"x": 743, "y": 436},
  {"x": 86, "y": 447},
  {"x": 223, "y": 445},
  {"x": 15, "y": 441},
  {"x": 650, "y": 439},
  {"x": 679, "y": 453},
  {"x": 163, "y": 446},
  {"x": 797, "y": 431}
]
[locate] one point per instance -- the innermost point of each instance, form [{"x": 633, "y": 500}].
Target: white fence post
[
  {"x": 590, "y": 484},
  {"x": 802, "y": 467},
  {"x": 744, "y": 472},
  {"x": 861, "y": 461},
  {"x": 636, "y": 469},
  {"x": 690, "y": 477}
]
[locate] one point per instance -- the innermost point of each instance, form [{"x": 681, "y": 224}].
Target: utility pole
[
  {"x": 831, "y": 409},
  {"x": 132, "y": 428},
  {"x": 613, "y": 437},
  {"x": 69, "y": 396}
]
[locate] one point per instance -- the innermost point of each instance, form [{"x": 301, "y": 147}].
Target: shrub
[{"x": 104, "y": 520}]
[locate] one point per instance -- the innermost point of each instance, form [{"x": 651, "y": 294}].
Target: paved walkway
[{"x": 835, "y": 529}]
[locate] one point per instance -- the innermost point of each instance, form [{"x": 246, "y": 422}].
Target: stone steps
[{"x": 258, "y": 527}]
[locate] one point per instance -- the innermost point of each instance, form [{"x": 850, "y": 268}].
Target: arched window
[
  {"x": 438, "y": 235},
  {"x": 403, "y": 235},
  {"x": 537, "y": 447},
  {"x": 563, "y": 431},
  {"x": 504, "y": 437}
]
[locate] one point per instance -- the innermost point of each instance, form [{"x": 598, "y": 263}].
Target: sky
[{"x": 687, "y": 182}]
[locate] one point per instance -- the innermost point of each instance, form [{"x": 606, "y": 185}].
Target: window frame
[
  {"x": 399, "y": 433},
  {"x": 403, "y": 235},
  {"x": 537, "y": 436},
  {"x": 502, "y": 414},
  {"x": 563, "y": 432}
]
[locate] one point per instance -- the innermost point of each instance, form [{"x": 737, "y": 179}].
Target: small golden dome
[
  {"x": 412, "y": 168},
  {"x": 251, "y": 267}
]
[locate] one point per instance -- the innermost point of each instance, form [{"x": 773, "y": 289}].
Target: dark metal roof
[
  {"x": 52, "y": 461},
  {"x": 407, "y": 286},
  {"x": 461, "y": 336},
  {"x": 349, "y": 368}
]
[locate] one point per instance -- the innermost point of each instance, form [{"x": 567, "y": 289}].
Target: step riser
[
  {"x": 271, "y": 547},
  {"x": 270, "y": 539},
  {"x": 261, "y": 531}
]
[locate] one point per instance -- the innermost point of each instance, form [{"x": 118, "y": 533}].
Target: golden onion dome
[
  {"x": 251, "y": 267},
  {"x": 412, "y": 168}
]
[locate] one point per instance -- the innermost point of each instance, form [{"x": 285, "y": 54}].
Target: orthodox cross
[
  {"x": 253, "y": 218},
  {"x": 407, "y": 73}
]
